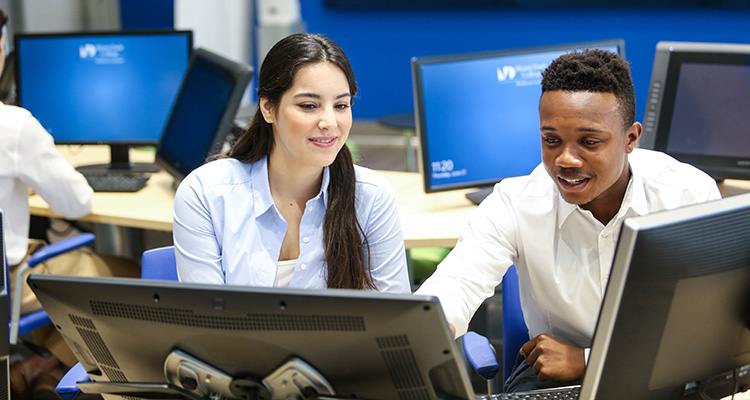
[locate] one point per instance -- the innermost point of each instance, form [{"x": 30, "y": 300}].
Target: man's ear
[
  {"x": 266, "y": 108},
  {"x": 632, "y": 136}
]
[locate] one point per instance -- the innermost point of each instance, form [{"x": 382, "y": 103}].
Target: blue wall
[{"x": 381, "y": 43}]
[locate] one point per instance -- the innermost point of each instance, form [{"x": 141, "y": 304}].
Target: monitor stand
[
  {"x": 478, "y": 195},
  {"x": 119, "y": 162},
  {"x": 190, "y": 378}
]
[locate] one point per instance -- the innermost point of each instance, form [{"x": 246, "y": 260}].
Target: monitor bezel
[
  {"x": 240, "y": 74},
  {"x": 418, "y": 91},
  {"x": 658, "y": 114},
  {"x": 117, "y": 146}
]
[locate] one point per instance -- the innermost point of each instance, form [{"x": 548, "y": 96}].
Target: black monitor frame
[
  {"x": 358, "y": 344},
  {"x": 120, "y": 150},
  {"x": 171, "y": 158},
  {"x": 662, "y": 97},
  {"x": 675, "y": 318},
  {"x": 463, "y": 132}
]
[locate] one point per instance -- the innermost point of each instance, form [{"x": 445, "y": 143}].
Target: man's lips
[{"x": 572, "y": 184}]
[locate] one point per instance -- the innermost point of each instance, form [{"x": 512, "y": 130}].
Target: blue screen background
[
  {"x": 197, "y": 115},
  {"x": 102, "y": 89},
  {"x": 481, "y": 118}
]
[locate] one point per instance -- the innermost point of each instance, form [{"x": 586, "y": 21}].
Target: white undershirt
[{"x": 284, "y": 273}]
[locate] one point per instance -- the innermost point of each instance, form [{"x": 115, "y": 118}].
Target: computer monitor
[
  {"x": 676, "y": 312},
  {"x": 697, "y": 109},
  {"x": 203, "y": 112},
  {"x": 133, "y": 335},
  {"x": 113, "y": 88},
  {"x": 477, "y": 115}
]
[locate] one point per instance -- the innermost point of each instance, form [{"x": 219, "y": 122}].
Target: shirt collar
[
  {"x": 634, "y": 199},
  {"x": 262, "y": 199}
]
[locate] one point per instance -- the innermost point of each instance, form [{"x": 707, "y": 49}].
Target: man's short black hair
[
  {"x": 594, "y": 71},
  {"x": 3, "y": 18}
]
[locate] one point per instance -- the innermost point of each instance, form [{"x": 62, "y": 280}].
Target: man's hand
[{"x": 554, "y": 360}]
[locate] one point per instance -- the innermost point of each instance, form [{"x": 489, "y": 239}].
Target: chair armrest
[
  {"x": 31, "y": 321},
  {"x": 63, "y": 246},
  {"x": 41, "y": 255},
  {"x": 481, "y": 355},
  {"x": 67, "y": 388}
]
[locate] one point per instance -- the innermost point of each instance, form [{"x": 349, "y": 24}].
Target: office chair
[
  {"x": 20, "y": 325},
  {"x": 478, "y": 349},
  {"x": 159, "y": 264}
]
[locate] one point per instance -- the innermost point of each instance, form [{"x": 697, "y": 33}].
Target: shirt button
[
  {"x": 605, "y": 235},
  {"x": 303, "y": 266},
  {"x": 309, "y": 208},
  {"x": 305, "y": 239}
]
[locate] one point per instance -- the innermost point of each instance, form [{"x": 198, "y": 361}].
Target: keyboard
[
  {"x": 116, "y": 181},
  {"x": 561, "y": 393}
]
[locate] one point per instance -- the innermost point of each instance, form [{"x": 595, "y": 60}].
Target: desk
[
  {"x": 428, "y": 220},
  {"x": 149, "y": 208}
]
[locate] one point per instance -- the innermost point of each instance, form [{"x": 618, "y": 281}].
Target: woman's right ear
[{"x": 266, "y": 108}]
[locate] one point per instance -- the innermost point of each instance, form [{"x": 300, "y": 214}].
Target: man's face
[{"x": 584, "y": 148}]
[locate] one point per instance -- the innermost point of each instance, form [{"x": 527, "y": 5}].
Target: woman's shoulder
[
  {"x": 369, "y": 178},
  {"x": 223, "y": 171}
]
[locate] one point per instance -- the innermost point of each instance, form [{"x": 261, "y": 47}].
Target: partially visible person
[
  {"x": 559, "y": 225},
  {"x": 286, "y": 206},
  {"x": 30, "y": 162}
]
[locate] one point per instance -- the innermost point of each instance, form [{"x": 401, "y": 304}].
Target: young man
[{"x": 560, "y": 224}]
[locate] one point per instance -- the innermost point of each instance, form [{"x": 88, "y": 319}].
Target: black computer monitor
[
  {"x": 697, "y": 109},
  {"x": 203, "y": 112},
  {"x": 113, "y": 88},
  {"x": 676, "y": 312},
  {"x": 348, "y": 344},
  {"x": 477, "y": 115}
]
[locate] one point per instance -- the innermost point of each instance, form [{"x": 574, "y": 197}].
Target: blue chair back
[
  {"x": 159, "y": 263},
  {"x": 515, "y": 332}
]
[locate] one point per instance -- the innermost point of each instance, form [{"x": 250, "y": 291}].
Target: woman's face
[{"x": 313, "y": 118}]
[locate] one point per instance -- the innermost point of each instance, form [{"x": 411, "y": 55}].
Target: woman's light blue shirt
[{"x": 227, "y": 229}]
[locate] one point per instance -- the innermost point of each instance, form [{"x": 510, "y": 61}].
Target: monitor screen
[
  {"x": 697, "y": 106},
  {"x": 203, "y": 112},
  {"x": 113, "y": 88},
  {"x": 477, "y": 115},
  {"x": 131, "y": 333},
  {"x": 675, "y": 320}
]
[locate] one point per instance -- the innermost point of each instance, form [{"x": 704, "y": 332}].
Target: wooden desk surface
[
  {"x": 149, "y": 208},
  {"x": 428, "y": 220}
]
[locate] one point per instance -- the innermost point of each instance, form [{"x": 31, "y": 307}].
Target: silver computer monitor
[{"x": 675, "y": 316}]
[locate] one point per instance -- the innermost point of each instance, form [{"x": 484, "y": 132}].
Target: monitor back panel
[{"x": 367, "y": 345}]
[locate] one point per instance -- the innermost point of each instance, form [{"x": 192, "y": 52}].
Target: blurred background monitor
[
  {"x": 697, "y": 109},
  {"x": 203, "y": 113},
  {"x": 477, "y": 115},
  {"x": 113, "y": 88}
]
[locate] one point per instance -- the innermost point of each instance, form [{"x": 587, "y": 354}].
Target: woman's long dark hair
[{"x": 342, "y": 234}]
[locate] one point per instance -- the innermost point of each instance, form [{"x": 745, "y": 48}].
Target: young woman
[{"x": 286, "y": 206}]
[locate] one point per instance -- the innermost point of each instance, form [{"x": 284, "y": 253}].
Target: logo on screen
[
  {"x": 87, "y": 50},
  {"x": 110, "y": 53},
  {"x": 505, "y": 73},
  {"x": 521, "y": 74}
]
